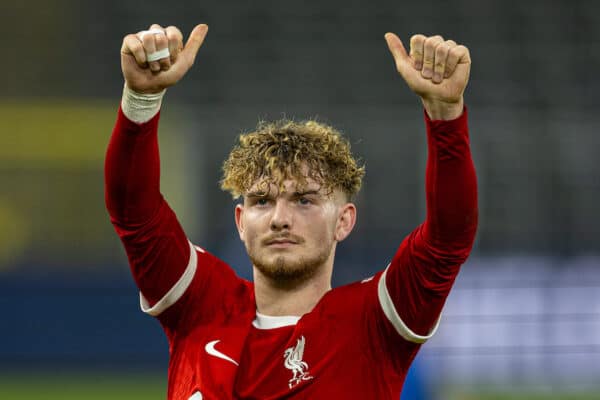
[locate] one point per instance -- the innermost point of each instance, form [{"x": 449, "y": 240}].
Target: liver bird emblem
[{"x": 293, "y": 361}]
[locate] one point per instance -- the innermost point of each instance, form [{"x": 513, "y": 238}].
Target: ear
[
  {"x": 239, "y": 211},
  {"x": 345, "y": 222}
]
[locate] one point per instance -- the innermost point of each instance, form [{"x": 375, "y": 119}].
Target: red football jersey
[{"x": 359, "y": 340}]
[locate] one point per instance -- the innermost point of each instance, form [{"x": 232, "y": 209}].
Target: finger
[
  {"x": 133, "y": 46},
  {"x": 439, "y": 66},
  {"x": 175, "y": 39},
  {"x": 456, "y": 55},
  {"x": 161, "y": 42},
  {"x": 403, "y": 61},
  {"x": 416, "y": 50},
  {"x": 189, "y": 52},
  {"x": 149, "y": 47},
  {"x": 429, "y": 55}
]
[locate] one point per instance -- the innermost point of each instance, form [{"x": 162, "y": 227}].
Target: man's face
[{"x": 290, "y": 234}]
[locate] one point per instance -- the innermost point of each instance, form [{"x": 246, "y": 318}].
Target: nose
[{"x": 281, "y": 219}]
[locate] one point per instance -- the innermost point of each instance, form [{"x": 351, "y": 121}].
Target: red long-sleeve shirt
[{"x": 357, "y": 342}]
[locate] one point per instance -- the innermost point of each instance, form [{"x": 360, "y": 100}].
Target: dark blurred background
[{"x": 525, "y": 313}]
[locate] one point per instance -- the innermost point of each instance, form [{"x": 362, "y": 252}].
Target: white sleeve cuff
[
  {"x": 140, "y": 107},
  {"x": 176, "y": 291},
  {"x": 392, "y": 315}
]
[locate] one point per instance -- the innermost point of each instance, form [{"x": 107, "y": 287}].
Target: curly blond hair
[{"x": 285, "y": 149}]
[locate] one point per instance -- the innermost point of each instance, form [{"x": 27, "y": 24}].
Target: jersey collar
[{"x": 269, "y": 322}]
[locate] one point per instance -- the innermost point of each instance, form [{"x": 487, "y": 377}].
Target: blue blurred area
[
  {"x": 77, "y": 324},
  {"x": 415, "y": 386}
]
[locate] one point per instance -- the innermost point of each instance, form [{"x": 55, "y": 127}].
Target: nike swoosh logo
[{"x": 210, "y": 349}]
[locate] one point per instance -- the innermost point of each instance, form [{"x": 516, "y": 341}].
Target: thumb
[
  {"x": 402, "y": 59},
  {"x": 194, "y": 42}
]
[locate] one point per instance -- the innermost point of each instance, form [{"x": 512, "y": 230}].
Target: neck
[{"x": 291, "y": 298}]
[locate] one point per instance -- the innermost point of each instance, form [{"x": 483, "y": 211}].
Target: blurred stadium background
[{"x": 524, "y": 318}]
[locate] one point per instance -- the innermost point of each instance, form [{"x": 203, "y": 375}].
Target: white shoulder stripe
[
  {"x": 392, "y": 315},
  {"x": 176, "y": 291}
]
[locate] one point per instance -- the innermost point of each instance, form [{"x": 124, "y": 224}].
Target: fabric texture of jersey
[{"x": 359, "y": 340}]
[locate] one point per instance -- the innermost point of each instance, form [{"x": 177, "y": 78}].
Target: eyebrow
[
  {"x": 256, "y": 194},
  {"x": 260, "y": 194},
  {"x": 306, "y": 192}
]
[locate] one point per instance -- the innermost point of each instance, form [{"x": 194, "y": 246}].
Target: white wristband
[{"x": 140, "y": 107}]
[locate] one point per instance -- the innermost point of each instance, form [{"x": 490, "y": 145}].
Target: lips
[{"x": 282, "y": 241}]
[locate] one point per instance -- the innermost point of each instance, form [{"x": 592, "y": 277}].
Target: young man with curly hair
[{"x": 288, "y": 334}]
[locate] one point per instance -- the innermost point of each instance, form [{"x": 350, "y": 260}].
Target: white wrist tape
[
  {"x": 150, "y": 32},
  {"x": 140, "y": 107}
]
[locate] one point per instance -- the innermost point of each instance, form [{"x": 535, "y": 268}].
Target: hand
[
  {"x": 437, "y": 70},
  {"x": 155, "y": 76}
]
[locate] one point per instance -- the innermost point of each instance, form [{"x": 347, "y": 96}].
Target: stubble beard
[{"x": 287, "y": 269}]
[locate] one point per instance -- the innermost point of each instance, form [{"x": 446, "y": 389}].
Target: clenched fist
[
  {"x": 437, "y": 70},
  {"x": 153, "y": 60}
]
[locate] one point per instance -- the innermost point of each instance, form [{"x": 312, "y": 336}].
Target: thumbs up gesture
[
  {"x": 437, "y": 70},
  {"x": 155, "y": 59}
]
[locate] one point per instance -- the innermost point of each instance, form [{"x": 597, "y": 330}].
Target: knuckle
[
  {"x": 418, "y": 37},
  {"x": 148, "y": 40},
  {"x": 454, "y": 52},
  {"x": 174, "y": 30},
  {"x": 442, "y": 50},
  {"x": 433, "y": 40},
  {"x": 161, "y": 40},
  {"x": 174, "y": 38},
  {"x": 459, "y": 52},
  {"x": 136, "y": 47},
  {"x": 417, "y": 40}
]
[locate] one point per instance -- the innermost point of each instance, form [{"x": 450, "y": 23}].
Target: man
[{"x": 287, "y": 334}]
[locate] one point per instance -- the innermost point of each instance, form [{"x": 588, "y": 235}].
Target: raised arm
[
  {"x": 415, "y": 286},
  {"x": 156, "y": 245}
]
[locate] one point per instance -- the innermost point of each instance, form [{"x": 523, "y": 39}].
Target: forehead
[{"x": 269, "y": 186}]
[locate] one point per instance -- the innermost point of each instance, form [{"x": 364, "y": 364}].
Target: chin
[{"x": 282, "y": 269}]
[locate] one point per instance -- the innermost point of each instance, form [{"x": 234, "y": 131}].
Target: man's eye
[
  {"x": 304, "y": 201},
  {"x": 262, "y": 202}
]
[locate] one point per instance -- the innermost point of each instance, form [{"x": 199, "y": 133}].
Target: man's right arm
[{"x": 159, "y": 253}]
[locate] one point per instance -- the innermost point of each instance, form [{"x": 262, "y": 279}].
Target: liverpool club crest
[{"x": 293, "y": 361}]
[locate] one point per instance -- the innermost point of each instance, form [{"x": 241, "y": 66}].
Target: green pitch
[
  {"x": 511, "y": 394},
  {"x": 104, "y": 386},
  {"x": 79, "y": 386},
  {"x": 528, "y": 396}
]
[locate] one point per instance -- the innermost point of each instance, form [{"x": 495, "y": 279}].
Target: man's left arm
[{"x": 413, "y": 289}]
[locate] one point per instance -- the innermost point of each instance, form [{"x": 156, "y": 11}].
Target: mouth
[{"x": 281, "y": 242}]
